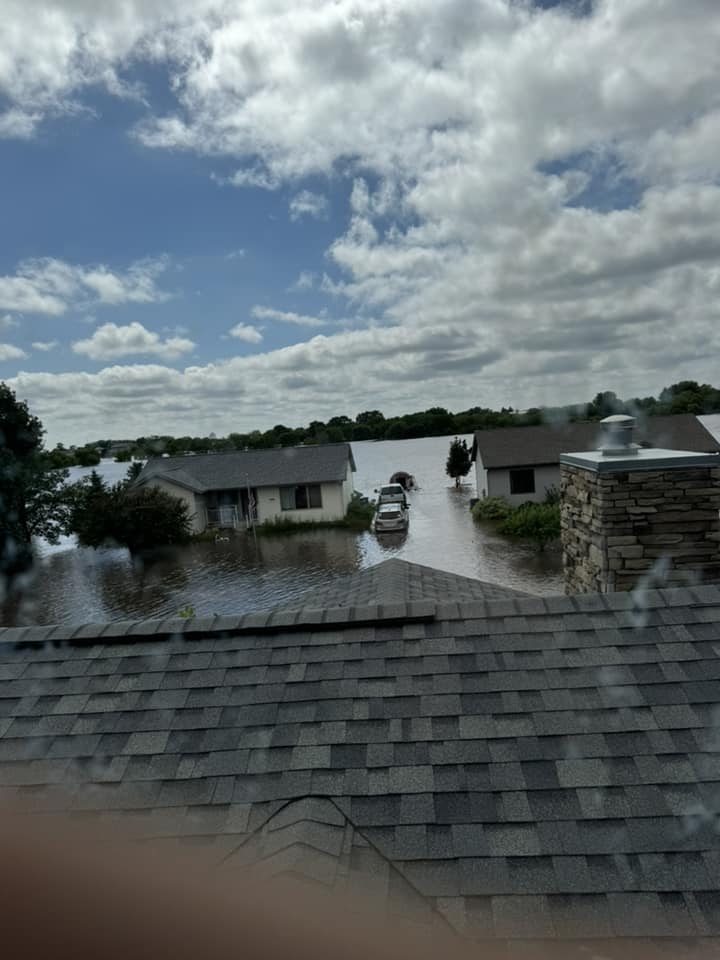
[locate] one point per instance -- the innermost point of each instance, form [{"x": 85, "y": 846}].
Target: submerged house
[
  {"x": 228, "y": 489},
  {"x": 521, "y": 463}
]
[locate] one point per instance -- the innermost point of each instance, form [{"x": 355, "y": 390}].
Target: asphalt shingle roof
[
  {"x": 526, "y": 766},
  {"x": 528, "y": 446},
  {"x": 398, "y": 581},
  {"x": 323, "y": 463}
]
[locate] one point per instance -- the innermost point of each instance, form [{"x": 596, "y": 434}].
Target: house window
[
  {"x": 522, "y": 481},
  {"x": 302, "y": 497}
]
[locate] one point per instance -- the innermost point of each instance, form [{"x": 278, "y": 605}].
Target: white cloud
[
  {"x": 49, "y": 286},
  {"x": 10, "y": 352},
  {"x": 18, "y": 125},
  {"x": 305, "y": 281},
  {"x": 488, "y": 145},
  {"x": 111, "y": 341},
  {"x": 251, "y": 177},
  {"x": 8, "y": 322},
  {"x": 238, "y": 254},
  {"x": 246, "y": 332},
  {"x": 309, "y": 204},
  {"x": 44, "y": 346},
  {"x": 285, "y": 316}
]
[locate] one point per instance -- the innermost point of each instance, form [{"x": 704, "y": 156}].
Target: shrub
[
  {"x": 538, "y": 522},
  {"x": 360, "y": 513},
  {"x": 552, "y": 496},
  {"x": 491, "y": 508}
]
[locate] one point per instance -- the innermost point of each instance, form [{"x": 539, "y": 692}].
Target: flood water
[{"x": 74, "y": 584}]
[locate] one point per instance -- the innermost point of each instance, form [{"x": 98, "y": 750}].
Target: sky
[{"x": 221, "y": 216}]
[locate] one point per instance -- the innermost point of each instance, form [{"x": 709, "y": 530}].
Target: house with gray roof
[
  {"x": 525, "y": 773},
  {"x": 521, "y": 463},
  {"x": 308, "y": 483}
]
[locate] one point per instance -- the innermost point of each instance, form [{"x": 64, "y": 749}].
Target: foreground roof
[
  {"x": 528, "y": 446},
  {"x": 398, "y": 581},
  {"x": 521, "y": 767},
  {"x": 324, "y": 463}
]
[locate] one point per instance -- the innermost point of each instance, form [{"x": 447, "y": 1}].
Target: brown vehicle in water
[{"x": 406, "y": 480}]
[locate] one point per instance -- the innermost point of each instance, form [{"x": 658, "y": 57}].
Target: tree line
[{"x": 687, "y": 396}]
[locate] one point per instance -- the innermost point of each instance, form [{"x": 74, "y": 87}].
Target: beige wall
[
  {"x": 334, "y": 500},
  {"x": 499, "y": 484},
  {"x": 195, "y": 506}
]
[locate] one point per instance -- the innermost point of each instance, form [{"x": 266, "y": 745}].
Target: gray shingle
[
  {"x": 560, "y": 734},
  {"x": 512, "y": 840}
]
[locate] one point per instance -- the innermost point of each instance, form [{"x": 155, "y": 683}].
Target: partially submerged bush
[
  {"x": 492, "y": 508},
  {"x": 538, "y": 522},
  {"x": 360, "y": 513}
]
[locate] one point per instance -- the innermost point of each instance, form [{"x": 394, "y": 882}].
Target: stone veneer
[{"x": 616, "y": 526}]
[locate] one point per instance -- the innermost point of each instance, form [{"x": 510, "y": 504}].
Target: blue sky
[
  {"x": 225, "y": 216},
  {"x": 85, "y": 192}
]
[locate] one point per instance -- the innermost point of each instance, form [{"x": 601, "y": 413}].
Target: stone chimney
[{"x": 625, "y": 508}]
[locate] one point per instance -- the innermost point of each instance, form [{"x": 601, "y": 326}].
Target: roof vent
[{"x": 616, "y": 437}]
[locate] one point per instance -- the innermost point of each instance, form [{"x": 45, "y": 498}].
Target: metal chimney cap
[{"x": 619, "y": 418}]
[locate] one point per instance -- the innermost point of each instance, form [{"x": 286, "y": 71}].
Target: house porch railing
[{"x": 224, "y": 518}]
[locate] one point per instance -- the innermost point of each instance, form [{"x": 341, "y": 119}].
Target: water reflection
[{"x": 82, "y": 585}]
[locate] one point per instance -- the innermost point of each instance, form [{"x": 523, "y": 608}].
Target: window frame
[
  {"x": 310, "y": 493},
  {"x": 517, "y": 475}
]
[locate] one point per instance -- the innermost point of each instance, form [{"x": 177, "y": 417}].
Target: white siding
[
  {"x": 499, "y": 484},
  {"x": 195, "y": 505},
  {"x": 481, "y": 477},
  {"x": 347, "y": 489},
  {"x": 334, "y": 505}
]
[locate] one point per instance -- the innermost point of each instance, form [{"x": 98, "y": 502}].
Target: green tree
[
  {"x": 458, "y": 462},
  {"x": 93, "y": 507},
  {"x": 33, "y": 495},
  {"x": 87, "y": 456},
  {"x": 133, "y": 471},
  {"x": 140, "y": 519}
]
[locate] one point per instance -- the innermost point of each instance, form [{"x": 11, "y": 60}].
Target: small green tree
[
  {"x": 133, "y": 471},
  {"x": 458, "y": 462}
]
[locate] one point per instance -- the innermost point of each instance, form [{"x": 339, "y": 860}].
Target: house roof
[
  {"x": 398, "y": 581},
  {"x": 530, "y": 446},
  {"x": 537, "y": 767},
  {"x": 324, "y": 463}
]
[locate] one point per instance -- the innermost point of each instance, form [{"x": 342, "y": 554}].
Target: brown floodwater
[{"x": 72, "y": 584}]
